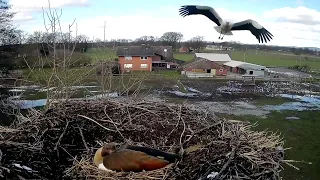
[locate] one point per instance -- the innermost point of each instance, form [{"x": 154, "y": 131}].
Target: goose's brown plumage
[{"x": 132, "y": 158}]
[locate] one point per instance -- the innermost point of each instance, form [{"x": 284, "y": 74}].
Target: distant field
[
  {"x": 183, "y": 56},
  {"x": 264, "y": 58},
  {"x": 273, "y": 59}
]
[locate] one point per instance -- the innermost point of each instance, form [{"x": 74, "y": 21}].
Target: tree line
[
  {"x": 174, "y": 39},
  {"x": 10, "y": 35}
]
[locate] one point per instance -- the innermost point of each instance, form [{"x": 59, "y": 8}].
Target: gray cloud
[
  {"x": 302, "y": 19},
  {"x": 306, "y": 38},
  {"x": 26, "y": 10}
]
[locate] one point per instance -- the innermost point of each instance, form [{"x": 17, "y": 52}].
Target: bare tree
[
  {"x": 35, "y": 37},
  {"x": 146, "y": 40},
  {"x": 98, "y": 40},
  {"x": 196, "y": 43},
  {"x": 172, "y": 39},
  {"x": 81, "y": 38},
  {"x": 8, "y": 33}
]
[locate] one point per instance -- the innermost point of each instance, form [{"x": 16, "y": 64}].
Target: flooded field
[{"x": 217, "y": 96}]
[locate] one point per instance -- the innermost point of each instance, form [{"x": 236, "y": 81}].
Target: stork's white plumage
[{"x": 226, "y": 27}]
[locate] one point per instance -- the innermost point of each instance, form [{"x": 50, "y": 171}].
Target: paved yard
[{"x": 289, "y": 72}]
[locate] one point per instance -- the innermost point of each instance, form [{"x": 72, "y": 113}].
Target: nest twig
[{"x": 60, "y": 142}]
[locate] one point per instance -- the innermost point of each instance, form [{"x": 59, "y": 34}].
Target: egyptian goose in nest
[{"x": 131, "y": 158}]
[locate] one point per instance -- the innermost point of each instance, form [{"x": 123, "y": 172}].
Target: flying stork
[{"x": 226, "y": 27}]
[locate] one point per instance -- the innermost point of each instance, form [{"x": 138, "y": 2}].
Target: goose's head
[{"x": 103, "y": 151}]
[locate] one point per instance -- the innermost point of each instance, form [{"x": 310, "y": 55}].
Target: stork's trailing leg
[
  {"x": 223, "y": 36},
  {"x": 219, "y": 36}
]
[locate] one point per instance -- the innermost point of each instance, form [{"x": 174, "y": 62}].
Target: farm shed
[
  {"x": 245, "y": 68},
  {"x": 206, "y": 65}
]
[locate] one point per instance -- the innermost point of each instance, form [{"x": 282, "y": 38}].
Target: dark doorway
[
  {"x": 208, "y": 70},
  {"x": 251, "y": 72}
]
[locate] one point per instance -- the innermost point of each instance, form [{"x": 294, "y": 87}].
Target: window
[
  {"x": 143, "y": 57},
  {"x": 127, "y": 65},
  {"x": 250, "y": 72},
  {"x": 144, "y": 66},
  {"x": 128, "y": 57}
]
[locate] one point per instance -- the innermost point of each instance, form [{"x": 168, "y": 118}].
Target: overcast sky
[{"x": 292, "y": 22}]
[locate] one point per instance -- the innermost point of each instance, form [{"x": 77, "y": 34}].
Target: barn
[
  {"x": 206, "y": 65},
  {"x": 245, "y": 68}
]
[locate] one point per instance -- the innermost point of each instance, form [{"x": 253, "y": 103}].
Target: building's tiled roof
[
  {"x": 135, "y": 51},
  {"x": 145, "y": 50},
  {"x": 165, "y": 51}
]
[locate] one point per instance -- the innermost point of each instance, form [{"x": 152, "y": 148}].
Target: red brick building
[{"x": 144, "y": 57}]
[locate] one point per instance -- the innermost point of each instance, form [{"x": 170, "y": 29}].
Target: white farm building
[{"x": 245, "y": 68}]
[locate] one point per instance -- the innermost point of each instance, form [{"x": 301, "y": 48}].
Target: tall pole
[
  {"x": 104, "y": 32},
  {"x": 76, "y": 30}
]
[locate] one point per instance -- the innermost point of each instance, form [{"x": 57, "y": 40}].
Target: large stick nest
[{"x": 60, "y": 142}]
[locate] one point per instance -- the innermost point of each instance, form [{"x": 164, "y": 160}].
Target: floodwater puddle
[
  {"x": 248, "y": 107},
  {"x": 303, "y": 103},
  {"x": 292, "y": 118},
  {"x": 104, "y": 95},
  {"x": 235, "y": 108},
  {"x": 191, "y": 93},
  {"x": 183, "y": 94},
  {"x": 16, "y": 90},
  {"x": 27, "y": 104}
]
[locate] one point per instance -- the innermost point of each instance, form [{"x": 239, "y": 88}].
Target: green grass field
[
  {"x": 183, "y": 56},
  {"x": 301, "y": 135},
  {"x": 264, "y": 58},
  {"x": 275, "y": 59}
]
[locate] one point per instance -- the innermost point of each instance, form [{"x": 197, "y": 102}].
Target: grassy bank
[
  {"x": 87, "y": 76},
  {"x": 302, "y": 135},
  {"x": 42, "y": 76}
]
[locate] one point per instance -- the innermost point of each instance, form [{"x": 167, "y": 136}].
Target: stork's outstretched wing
[
  {"x": 262, "y": 34},
  {"x": 207, "y": 11}
]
